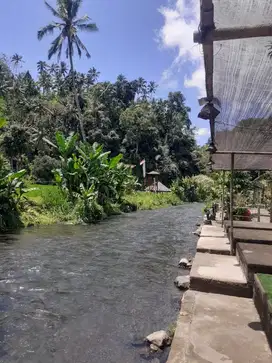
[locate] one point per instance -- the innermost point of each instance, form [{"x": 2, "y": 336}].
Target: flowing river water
[{"x": 89, "y": 294}]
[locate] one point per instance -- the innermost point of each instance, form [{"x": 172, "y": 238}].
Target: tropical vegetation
[{"x": 71, "y": 143}]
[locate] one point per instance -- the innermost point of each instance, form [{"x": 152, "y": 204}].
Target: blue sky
[{"x": 147, "y": 38}]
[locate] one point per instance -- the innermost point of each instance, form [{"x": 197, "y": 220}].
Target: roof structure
[
  {"x": 161, "y": 188},
  {"x": 236, "y": 35},
  {"x": 153, "y": 173}
]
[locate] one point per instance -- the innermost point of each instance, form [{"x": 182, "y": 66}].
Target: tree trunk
[{"x": 75, "y": 91}]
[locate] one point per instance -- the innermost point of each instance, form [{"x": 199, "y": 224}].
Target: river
[{"x": 89, "y": 294}]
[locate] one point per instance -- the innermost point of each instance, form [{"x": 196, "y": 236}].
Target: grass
[
  {"x": 46, "y": 204},
  {"x": 148, "y": 200},
  {"x": 266, "y": 281}
]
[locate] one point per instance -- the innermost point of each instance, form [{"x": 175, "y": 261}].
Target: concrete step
[
  {"x": 216, "y": 245},
  {"x": 263, "y": 237},
  {"x": 218, "y": 274},
  {"x": 212, "y": 231},
  {"x": 216, "y": 328},
  {"x": 254, "y": 258}
]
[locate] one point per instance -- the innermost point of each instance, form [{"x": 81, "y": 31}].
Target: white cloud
[
  {"x": 168, "y": 81},
  {"x": 202, "y": 131},
  {"x": 180, "y": 21}
]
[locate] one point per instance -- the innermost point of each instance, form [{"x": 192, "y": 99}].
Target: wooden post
[
  {"x": 231, "y": 203},
  {"x": 259, "y": 212},
  {"x": 271, "y": 202},
  {"x": 223, "y": 198}
]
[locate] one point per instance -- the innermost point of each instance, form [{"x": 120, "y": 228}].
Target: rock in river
[
  {"x": 183, "y": 262},
  {"x": 183, "y": 282},
  {"x": 159, "y": 338}
]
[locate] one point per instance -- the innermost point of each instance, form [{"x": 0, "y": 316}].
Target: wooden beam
[
  {"x": 228, "y": 152},
  {"x": 207, "y": 22},
  {"x": 214, "y": 35}
]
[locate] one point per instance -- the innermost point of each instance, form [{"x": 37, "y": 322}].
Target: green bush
[
  {"x": 91, "y": 178},
  {"x": 43, "y": 167},
  {"x": 11, "y": 191},
  {"x": 199, "y": 188},
  {"x": 149, "y": 200}
]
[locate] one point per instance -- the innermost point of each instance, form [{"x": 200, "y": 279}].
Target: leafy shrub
[
  {"x": 199, "y": 188},
  {"x": 149, "y": 200},
  {"x": 43, "y": 168},
  {"x": 90, "y": 177},
  {"x": 11, "y": 191}
]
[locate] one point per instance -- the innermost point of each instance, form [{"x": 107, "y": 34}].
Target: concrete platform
[
  {"x": 248, "y": 225},
  {"x": 217, "y": 245},
  {"x": 251, "y": 236},
  {"x": 218, "y": 274},
  {"x": 214, "y": 230},
  {"x": 215, "y": 328},
  {"x": 254, "y": 258}
]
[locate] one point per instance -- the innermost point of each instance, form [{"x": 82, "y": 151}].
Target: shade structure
[{"x": 239, "y": 79}]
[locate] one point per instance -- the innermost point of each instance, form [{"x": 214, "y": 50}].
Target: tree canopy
[{"x": 123, "y": 115}]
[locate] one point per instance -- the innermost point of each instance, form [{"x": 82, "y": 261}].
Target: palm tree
[
  {"x": 151, "y": 87},
  {"x": 16, "y": 60},
  {"x": 92, "y": 76},
  {"x": 42, "y": 67},
  {"x": 63, "y": 69},
  {"x": 68, "y": 26}
]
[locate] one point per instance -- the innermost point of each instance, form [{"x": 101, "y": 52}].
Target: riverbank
[
  {"x": 219, "y": 290},
  {"x": 46, "y": 204}
]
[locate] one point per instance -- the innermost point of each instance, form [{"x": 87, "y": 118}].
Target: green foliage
[
  {"x": 90, "y": 176},
  {"x": 148, "y": 200},
  {"x": 47, "y": 204},
  {"x": 42, "y": 168},
  {"x": 266, "y": 281},
  {"x": 11, "y": 190},
  {"x": 199, "y": 188}
]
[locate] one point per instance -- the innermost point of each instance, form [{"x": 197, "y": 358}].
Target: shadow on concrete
[{"x": 256, "y": 325}]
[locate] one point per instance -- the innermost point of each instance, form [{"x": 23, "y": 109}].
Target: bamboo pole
[
  {"x": 223, "y": 199},
  {"x": 271, "y": 202},
  {"x": 259, "y": 213},
  {"x": 231, "y": 204}
]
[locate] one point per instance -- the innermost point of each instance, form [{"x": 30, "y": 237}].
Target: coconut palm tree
[
  {"x": 16, "y": 60},
  {"x": 68, "y": 26}
]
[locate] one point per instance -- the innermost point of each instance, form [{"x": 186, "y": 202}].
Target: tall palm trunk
[{"x": 75, "y": 91}]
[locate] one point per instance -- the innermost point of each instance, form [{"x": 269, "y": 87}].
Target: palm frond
[
  {"x": 79, "y": 52},
  {"x": 55, "y": 46},
  {"x": 82, "y": 20},
  {"x": 89, "y": 27},
  {"x": 53, "y": 11},
  {"x": 76, "y": 4},
  {"x": 79, "y": 44},
  {"x": 48, "y": 29},
  {"x": 63, "y": 6}
]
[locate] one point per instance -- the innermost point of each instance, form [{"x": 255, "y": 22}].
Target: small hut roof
[
  {"x": 153, "y": 173},
  {"x": 159, "y": 188}
]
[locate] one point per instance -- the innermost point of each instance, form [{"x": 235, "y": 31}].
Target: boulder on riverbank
[
  {"x": 159, "y": 339},
  {"x": 182, "y": 282},
  {"x": 185, "y": 263},
  {"x": 197, "y": 232}
]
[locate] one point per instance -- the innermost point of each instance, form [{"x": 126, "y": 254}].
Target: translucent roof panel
[{"x": 242, "y": 82}]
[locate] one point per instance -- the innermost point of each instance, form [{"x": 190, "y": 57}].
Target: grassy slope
[
  {"x": 147, "y": 200},
  {"x": 266, "y": 281},
  {"x": 47, "y": 205}
]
